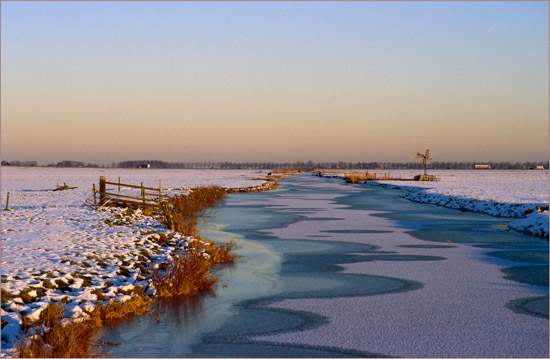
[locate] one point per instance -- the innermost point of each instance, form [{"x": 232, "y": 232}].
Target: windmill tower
[{"x": 424, "y": 158}]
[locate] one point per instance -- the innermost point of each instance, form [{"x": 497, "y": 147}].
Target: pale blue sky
[{"x": 274, "y": 81}]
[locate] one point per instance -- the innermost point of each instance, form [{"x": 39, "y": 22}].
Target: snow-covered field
[
  {"x": 50, "y": 240},
  {"x": 501, "y": 193}
]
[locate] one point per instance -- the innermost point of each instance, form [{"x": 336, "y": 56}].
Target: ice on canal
[{"x": 465, "y": 305}]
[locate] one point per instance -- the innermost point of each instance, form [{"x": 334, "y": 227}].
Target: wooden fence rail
[
  {"x": 146, "y": 197},
  {"x": 150, "y": 196}
]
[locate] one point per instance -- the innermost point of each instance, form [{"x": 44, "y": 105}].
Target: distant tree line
[
  {"x": 20, "y": 163},
  {"x": 65, "y": 163},
  {"x": 304, "y": 166},
  {"x": 310, "y": 165}
]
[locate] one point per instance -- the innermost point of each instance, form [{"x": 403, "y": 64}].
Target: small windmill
[{"x": 424, "y": 157}]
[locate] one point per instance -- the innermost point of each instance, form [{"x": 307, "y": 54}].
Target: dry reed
[
  {"x": 181, "y": 212},
  {"x": 58, "y": 339},
  {"x": 116, "y": 309},
  {"x": 188, "y": 273},
  {"x": 54, "y": 338},
  {"x": 288, "y": 171},
  {"x": 218, "y": 253},
  {"x": 356, "y": 177}
]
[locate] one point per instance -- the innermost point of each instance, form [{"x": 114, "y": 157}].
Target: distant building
[
  {"x": 540, "y": 167},
  {"x": 143, "y": 165},
  {"x": 482, "y": 167}
]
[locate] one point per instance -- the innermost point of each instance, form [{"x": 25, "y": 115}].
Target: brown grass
[
  {"x": 73, "y": 339},
  {"x": 138, "y": 305},
  {"x": 268, "y": 178},
  {"x": 70, "y": 340},
  {"x": 355, "y": 177},
  {"x": 219, "y": 253},
  {"x": 181, "y": 212},
  {"x": 188, "y": 273},
  {"x": 289, "y": 171},
  {"x": 6, "y": 296}
]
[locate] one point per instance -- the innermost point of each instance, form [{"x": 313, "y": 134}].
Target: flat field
[{"x": 54, "y": 247}]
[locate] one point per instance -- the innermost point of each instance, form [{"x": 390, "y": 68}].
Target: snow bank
[
  {"x": 500, "y": 193},
  {"x": 52, "y": 242}
]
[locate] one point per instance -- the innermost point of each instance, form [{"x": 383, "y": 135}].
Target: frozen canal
[{"x": 335, "y": 270}]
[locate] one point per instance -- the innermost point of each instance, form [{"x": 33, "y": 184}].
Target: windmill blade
[
  {"x": 430, "y": 159},
  {"x": 427, "y": 152},
  {"x": 418, "y": 154},
  {"x": 422, "y": 161}
]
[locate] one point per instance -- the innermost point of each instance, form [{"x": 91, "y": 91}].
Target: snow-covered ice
[{"x": 460, "y": 310}]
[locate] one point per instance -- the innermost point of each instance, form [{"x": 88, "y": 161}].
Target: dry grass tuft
[
  {"x": 6, "y": 296},
  {"x": 355, "y": 177},
  {"x": 182, "y": 212},
  {"x": 58, "y": 340},
  {"x": 274, "y": 178},
  {"x": 188, "y": 273},
  {"x": 289, "y": 171},
  {"x": 207, "y": 196},
  {"x": 72, "y": 340},
  {"x": 137, "y": 305},
  {"x": 221, "y": 253}
]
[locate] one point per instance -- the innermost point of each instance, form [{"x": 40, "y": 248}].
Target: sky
[{"x": 104, "y": 82}]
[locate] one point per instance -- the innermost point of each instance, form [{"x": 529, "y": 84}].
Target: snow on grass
[
  {"x": 54, "y": 248},
  {"x": 501, "y": 193}
]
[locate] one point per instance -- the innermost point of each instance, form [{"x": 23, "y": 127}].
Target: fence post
[
  {"x": 143, "y": 192},
  {"x": 119, "y": 184},
  {"x": 101, "y": 189},
  {"x": 95, "y": 202},
  {"x": 8, "y": 202},
  {"x": 160, "y": 188}
]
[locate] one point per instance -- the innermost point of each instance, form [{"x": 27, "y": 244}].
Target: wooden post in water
[
  {"x": 95, "y": 202},
  {"x": 143, "y": 192},
  {"x": 101, "y": 189},
  {"x": 8, "y": 202},
  {"x": 119, "y": 184}
]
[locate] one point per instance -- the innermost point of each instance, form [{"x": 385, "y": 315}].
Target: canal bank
[{"x": 353, "y": 271}]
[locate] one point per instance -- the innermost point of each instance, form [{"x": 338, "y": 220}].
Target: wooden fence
[{"x": 147, "y": 197}]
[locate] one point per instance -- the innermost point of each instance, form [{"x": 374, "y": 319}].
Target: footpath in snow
[{"x": 502, "y": 193}]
